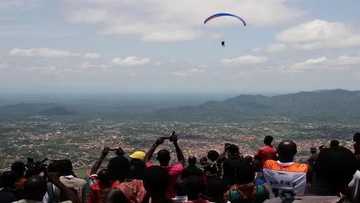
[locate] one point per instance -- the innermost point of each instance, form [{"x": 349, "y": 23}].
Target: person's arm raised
[
  {"x": 179, "y": 153},
  {"x": 151, "y": 151},
  {"x": 98, "y": 163}
]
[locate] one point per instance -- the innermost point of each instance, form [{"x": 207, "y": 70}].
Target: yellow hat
[{"x": 138, "y": 155}]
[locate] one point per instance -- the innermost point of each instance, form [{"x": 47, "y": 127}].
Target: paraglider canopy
[{"x": 224, "y": 14}]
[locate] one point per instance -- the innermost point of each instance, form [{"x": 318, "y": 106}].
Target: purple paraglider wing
[{"x": 224, "y": 14}]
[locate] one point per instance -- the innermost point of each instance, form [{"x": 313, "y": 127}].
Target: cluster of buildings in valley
[{"x": 82, "y": 142}]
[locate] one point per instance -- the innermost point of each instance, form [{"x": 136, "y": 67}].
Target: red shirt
[
  {"x": 174, "y": 172},
  {"x": 266, "y": 153},
  {"x": 133, "y": 190}
]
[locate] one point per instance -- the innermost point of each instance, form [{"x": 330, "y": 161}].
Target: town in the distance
[{"x": 80, "y": 129}]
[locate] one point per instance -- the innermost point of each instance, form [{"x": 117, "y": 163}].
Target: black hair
[
  {"x": 118, "y": 168},
  {"x": 65, "y": 167},
  {"x": 104, "y": 177},
  {"x": 192, "y": 161},
  {"x": 334, "y": 143},
  {"x": 287, "y": 150},
  {"x": 163, "y": 156},
  {"x": 212, "y": 155},
  {"x": 268, "y": 139},
  {"x": 233, "y": 150},
  {"x": 356, "y": 137},
  {"x": 18, "y": 168}
]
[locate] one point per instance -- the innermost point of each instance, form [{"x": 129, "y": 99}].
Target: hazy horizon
[{"x": 162, "y": 47}]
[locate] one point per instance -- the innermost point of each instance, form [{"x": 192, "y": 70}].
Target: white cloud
[
  {"x": 309, "y": 63},
  {"x": 88, "y": 65},
  {"x": 42, "y": 52},
  {"x": 348, "y": 60},
  {"x": 92, "y": 55},
  {"x": 244, "y": 60},
  {"x": 318, "y": 34},
  {"x": 169, "y": 21},
  {"x": 131, "y": 61},
  {"x": 324, "y": 63},
  {"x": 277, "y": 47},
  {"x": 189, "y": 72}
]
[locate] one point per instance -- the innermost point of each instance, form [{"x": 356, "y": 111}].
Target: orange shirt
[{"x": 286, "y": 176}]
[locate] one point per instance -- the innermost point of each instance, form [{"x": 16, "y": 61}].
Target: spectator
[
  {"x": 34, "y": 190},
  {"x": 163, "y": 156},
  {"x": 232, "y": 164},
  {"x": 354, "y": 187},
  {"x": 334, "y": 143},
  {"x": 7, "y": 193},
  {"x": 214, "y": 164},
  {"x": 18, "y": 169},
  {"x": 137, "y": 165},
  {"x": 356, "y": 139},
  {"x": 334, "y": 170},
  {"x": 192, "y": 169},
  {"x": 244, "y": 188},
  {"x": 215, "y": 189},
  {"x": 116, "y": 175},
  {"x": 156, "y": 183},
  {"x": 195, "y": 187},
  {"x": 286, "y": 175},
  {"x": 68, "y": 177},
  {"x": 266, "y": 152}
]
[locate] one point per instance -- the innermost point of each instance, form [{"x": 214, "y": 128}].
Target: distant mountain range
[
  {"x": 324, "y": 105},
  {"x": 32, "y": 109},
  {"x": 317, "y": 105}
]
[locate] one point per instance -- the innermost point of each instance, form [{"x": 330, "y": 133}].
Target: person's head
[
  {"x": 163, "y": 156},
  {"x": 192, "y": 161},
  {"x": 268, "y": 140},
  {"x": 334, "y": 169},
  {"x": 156, "y": 180},
  {"x": 313, "y": 150},
  {"x": 204, "y": 161},
  {"x": 18, "y": 168},
  {"x": 334, "y": 143},
  {"x": 65, "y": 167},
  {"x": 287, "y": 150},
  {"x": 118, "y": 168},
  {"x": 7, "y": 179},
  {"x": 35, "y": 188},
  {"x": 233, "y": 151},
  {"x": 356, "y": 137},
  {"x": 194, "y": 186},
  {"x": 104, "y": 177},
  {"x": 212, "y": 155}
]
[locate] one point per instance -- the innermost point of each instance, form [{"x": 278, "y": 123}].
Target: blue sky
[{"x": 162, "y": 46}]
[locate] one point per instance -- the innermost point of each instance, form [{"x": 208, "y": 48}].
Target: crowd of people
[{"x": 331, "y": 174}]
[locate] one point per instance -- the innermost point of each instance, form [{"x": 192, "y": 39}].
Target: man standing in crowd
[
  {"x": 285, "y": 175},
  {"x": 266, "y": 152},
  {"x": 163, "y": 156}
]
